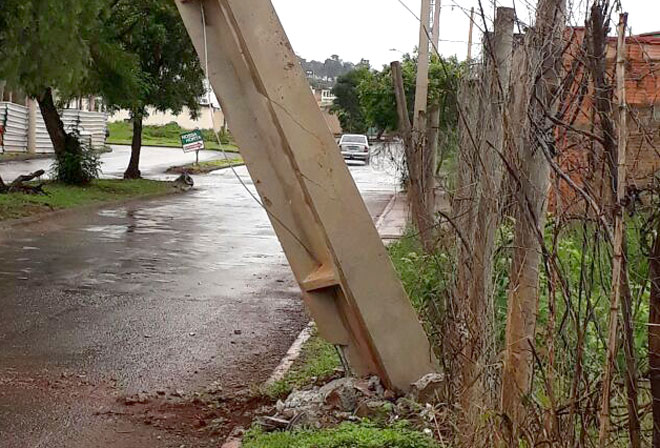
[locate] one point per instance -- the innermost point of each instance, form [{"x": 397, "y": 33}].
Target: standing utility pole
[
  {"x": 419, "y": 161},
  {"x": 496, "y": 76},
  {"x": 422, "y": 85},
  {"x": 437, "y": 9},
  {"x": 617, "y": 259},
  {"x": 537, "y": 82},
  {"x": 433, "y": 126},
  {"x": 349, "y": 284},
  {"x": 469, "y": 53}
]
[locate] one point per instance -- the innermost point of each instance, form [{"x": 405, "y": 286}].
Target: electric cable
[{"x": 227, "y": 159}]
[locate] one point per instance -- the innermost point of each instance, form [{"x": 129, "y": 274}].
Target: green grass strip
[{"x": 59, "y": 196}]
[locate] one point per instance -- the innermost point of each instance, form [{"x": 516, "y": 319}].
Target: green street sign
[{"x": 192, "y": 141}]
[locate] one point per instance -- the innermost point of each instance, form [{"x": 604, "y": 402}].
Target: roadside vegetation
[
  {"x": 206, "y": 167},
  {"x": 318, "y": 361},
  {"x": 540, "y": 290},
  {"x": 346, "y": 435},
  {"x": 78, "y": 33},
  {"x": 585, "y": 262},
  {"x": 167, "y": 135},
  {"x": 61, "y": 196}
]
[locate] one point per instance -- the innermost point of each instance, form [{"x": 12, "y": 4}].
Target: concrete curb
[
  {"x": 175, "y": 169},
  {"x": 386, "y": 212},
  {"x": 391, "y": 224},
  {"x": 24, "y": 158},
  {"x": 291, "y": 355}
]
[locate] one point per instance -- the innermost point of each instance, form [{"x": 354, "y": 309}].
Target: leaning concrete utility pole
[{"x": 348, "y": 282}]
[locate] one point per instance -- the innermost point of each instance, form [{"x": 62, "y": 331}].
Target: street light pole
[
  {"x": 422, "y": 89},
  {"x": 437, "y": 8},
  {"x": 469, "y": 52}
]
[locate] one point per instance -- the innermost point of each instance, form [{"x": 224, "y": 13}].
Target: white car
[{"x": 355, "y": 147}]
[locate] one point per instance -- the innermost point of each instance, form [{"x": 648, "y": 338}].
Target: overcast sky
[{"x": 370, "y": 29}]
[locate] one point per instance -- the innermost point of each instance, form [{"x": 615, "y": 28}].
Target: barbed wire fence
[{"x": 558, "y": 111}]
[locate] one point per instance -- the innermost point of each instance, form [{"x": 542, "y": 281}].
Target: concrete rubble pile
[{"x": 352, "y": 399}]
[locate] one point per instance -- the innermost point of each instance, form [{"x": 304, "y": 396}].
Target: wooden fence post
[{"x": 619, "y": 226}]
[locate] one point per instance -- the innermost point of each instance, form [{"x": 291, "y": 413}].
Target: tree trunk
[
  {"x": 133, "y": 170},
  {"x": 464, "y": 207},
  {"x": 543, "y": 64},
  {"x": 54, "y": 125},
  {"x": 631, "y": 382},
  {"x": 431, "y": 162},
  {"x": 654, "y": 335},
  {"x": 414, "y": 151},
  {"x": 67, "y": 147}
]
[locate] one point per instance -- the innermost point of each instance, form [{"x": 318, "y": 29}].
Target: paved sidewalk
[{"x": 392, "y": 223}]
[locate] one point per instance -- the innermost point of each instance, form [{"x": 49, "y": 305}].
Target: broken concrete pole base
[
  {"x": 428, "y": 389},
  {"x": 332, "y": 403},
  {"x": 351, "y": 399}
]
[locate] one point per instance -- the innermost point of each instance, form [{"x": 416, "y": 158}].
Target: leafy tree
[
  {"x": 376, "y": 95},
  {"x": 49, "y": 46},
  {"x": 347, "y": 106},
  {"x": 169, "y": 69},
  {"x": 365, "y": 98},
  {"x": 444, "y": 79}
]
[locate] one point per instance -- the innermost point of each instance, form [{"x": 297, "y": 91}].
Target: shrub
[
  {"x": 78, "y": 165},
  {"x": 224, "y": 135}
]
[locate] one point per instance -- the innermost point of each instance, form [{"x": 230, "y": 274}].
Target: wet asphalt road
[
  {"x": 153, "y": 162},
  {"x": 171, "y": 293}
]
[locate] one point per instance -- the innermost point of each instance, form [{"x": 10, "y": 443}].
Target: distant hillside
[{"x": 325, "y": 74}]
